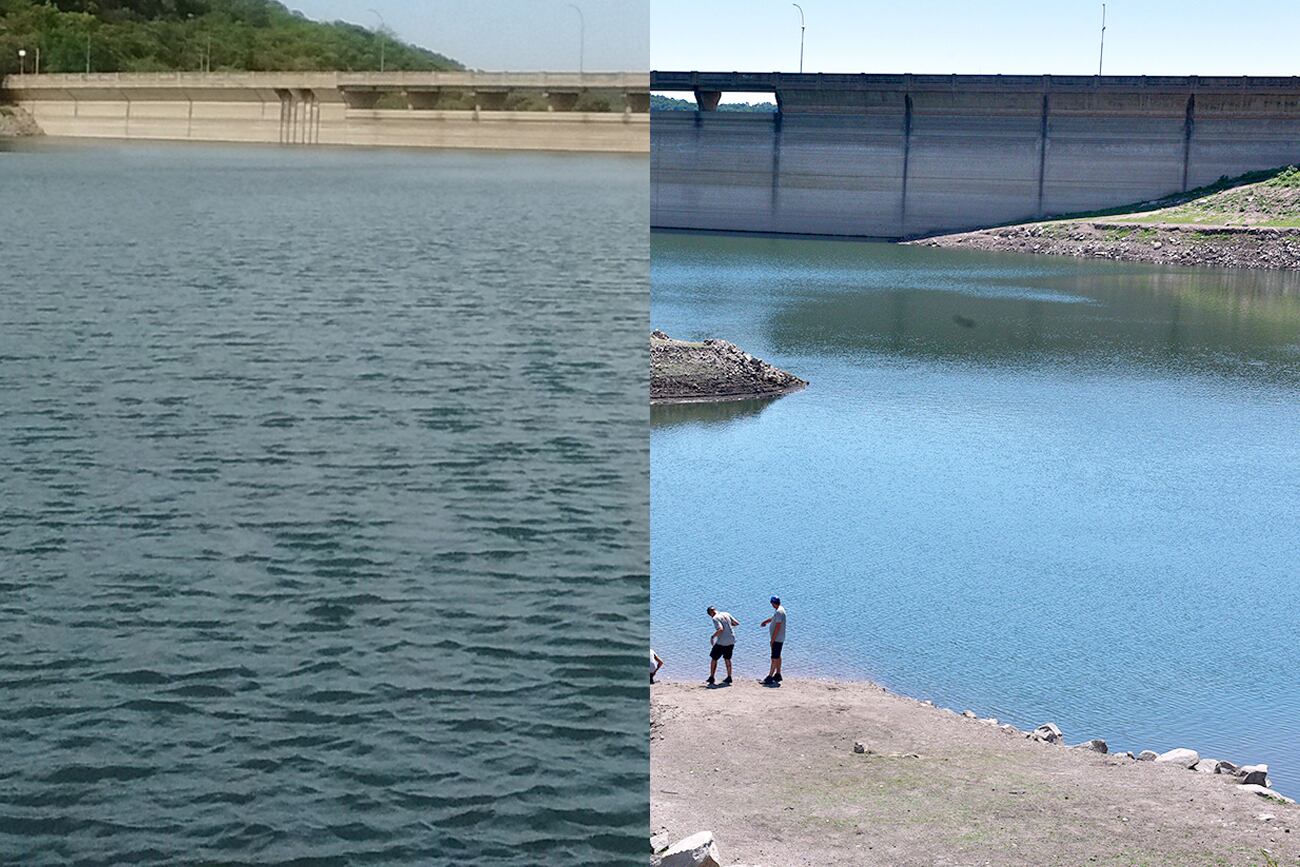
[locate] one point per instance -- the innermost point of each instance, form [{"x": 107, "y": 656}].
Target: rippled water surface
[
  {"x": 1039, "y": 488},
  {"x": 323, "y": 525}
]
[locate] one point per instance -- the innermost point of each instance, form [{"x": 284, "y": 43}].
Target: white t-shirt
[
  {"x": 722, "y": 620},
  {"x": 778, "y": 624}
]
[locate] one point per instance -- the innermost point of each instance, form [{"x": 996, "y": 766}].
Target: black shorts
[
  {"x": 776, "y": 649},
  {"x": 721, "y": 650}
]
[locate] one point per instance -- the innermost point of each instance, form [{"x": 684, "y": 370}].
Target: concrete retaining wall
[
  {"x": 902, "y": 156},
  {"x": 334, "y": 109}
]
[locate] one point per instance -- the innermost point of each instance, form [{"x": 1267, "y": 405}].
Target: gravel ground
[
  {"x": 685, "y": 372},
  {"x": 773, "y": 774}
]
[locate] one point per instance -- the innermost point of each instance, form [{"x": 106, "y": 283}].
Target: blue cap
[{"x": 775, "y": 600}]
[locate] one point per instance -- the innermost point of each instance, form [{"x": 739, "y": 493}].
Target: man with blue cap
[{"x": 777, "y": 635}]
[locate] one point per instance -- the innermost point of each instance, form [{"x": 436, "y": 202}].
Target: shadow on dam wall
[{"x": 895, "y": 156}]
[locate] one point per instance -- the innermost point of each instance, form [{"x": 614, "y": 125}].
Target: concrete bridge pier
[
  {"x": 299, "y": 116},
  {"x": 707, "y": 100}
]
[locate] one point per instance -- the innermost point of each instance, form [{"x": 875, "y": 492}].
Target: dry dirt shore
[
  {"x": 1163, "y": 244},
  {"x": 772, "y": 773},
  {"x": 15, "y": 123},
  {"x": 686, "y": 372}
]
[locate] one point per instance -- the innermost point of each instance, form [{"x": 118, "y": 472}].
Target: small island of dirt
[{"x": 686, "y": 372}]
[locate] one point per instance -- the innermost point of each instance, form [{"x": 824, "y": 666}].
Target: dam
[
  {"x": 602, "y": 112},
  {"x": 898, "y": 156}
]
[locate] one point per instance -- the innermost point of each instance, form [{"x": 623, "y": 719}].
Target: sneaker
[
  {"x": 726, "y": 681},
  {"x": 709, "y": 681}
]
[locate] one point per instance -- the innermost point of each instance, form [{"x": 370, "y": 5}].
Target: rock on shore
[
  {"x": 14, "y": 123},
  {"x": 685, "y": 372}
]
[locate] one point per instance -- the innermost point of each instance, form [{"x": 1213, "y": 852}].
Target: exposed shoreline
[
  {"x": 774, "y": 775},
  {"x": 712, "y": 370},
  {"x": 17, "y": 123},
  {"x": 1157, "y": 243}
]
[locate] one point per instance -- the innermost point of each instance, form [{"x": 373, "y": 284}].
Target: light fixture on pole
[
  {"x": 801, "y": 30},
  {"x": 22, "y": 61},
  {"x": 582, "y": 36},
  {"x": 383, "y": 27},
  {"x": 1102, "y": 53}
]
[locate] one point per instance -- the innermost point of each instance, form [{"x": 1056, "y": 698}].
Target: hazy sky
[
  {"x": 1143, "y": 37},
  {"x": 508, "y": 34}
]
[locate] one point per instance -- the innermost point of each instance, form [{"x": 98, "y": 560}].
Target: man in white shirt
[
  {"x": 777, "y": 636},
  {"x": 723, "y": 641},
  {"x": 655, "y": 664}
]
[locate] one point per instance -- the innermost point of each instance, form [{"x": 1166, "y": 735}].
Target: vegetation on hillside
[
  {"x": 669, "y": 103},
  {"x": 168, "y": 35}
]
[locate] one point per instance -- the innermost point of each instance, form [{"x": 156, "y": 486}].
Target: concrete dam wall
[
  {"x": 399, "y": 109},
  {"x": 891, "y": 156}
]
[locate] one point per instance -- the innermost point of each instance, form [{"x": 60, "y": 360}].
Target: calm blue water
[
  {"x": 1039, "y": 488},
  {"x": 318, "y": 468}
]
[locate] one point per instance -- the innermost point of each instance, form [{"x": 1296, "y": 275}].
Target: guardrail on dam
[
  {"x": 415, "y": 109},
  {"x": 892, "y": 156}
]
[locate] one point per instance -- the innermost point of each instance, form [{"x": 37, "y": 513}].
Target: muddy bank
[
  {"x": 686, "y": 372},
  {"x": 16, "y": 123},
  {"x": 774, "y": 774},
  {"x": 1164, "y": 244}
]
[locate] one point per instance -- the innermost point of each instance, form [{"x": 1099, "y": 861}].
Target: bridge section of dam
[
  {"x": 894, "y": 156},
  {"x": 413, "y": 109}
]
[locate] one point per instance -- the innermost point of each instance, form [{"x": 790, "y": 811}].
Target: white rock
[
  {"x": 1265, "y": 792},
  {"x": 1047, "y": 732},
  {"x": 697, "y": 850},
  {"x": 1207, "y": 766},
  {"x": 1184, "y": 758},
  {"x": 1008, "y": 728},
  {"x": 1097, "y": 745},
  {"x": 859, "y": 747},
  {"x": 1254, "y": 775},
  {"x": 1147, "y": 756},
  {"x": 969, "y": 714}
]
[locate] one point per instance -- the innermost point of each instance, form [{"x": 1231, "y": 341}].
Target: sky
[
  {"x": 1143, "y": 37},
  {"x": 513, "y": 35}
]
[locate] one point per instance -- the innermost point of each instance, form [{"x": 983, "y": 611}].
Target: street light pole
[
  {"x": 801, "y": 31},
  {"x": 582, "y": 37},
  {"x": 22, "y": 61},
  {"x": 383, "y": 26},
  {"x": 1102, "y": 54}
]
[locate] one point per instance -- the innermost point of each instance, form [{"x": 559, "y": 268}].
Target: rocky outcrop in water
[
  {"x": 16, "y": 123},
  {"x": 685, "y": 372}
]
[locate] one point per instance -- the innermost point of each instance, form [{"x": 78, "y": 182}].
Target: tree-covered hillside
[
  {"x": 167, "y": 35},
  {"x": 659, "y": 102}
]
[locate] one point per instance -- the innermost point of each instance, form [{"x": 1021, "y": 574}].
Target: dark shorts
[
  {"x": 776, "y": 649},
  {"x": 721, "y": 650}
]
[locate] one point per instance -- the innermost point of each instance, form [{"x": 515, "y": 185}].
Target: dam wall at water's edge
[
  {"x": 398, "y": 109},
  {"x": 891, "y": 156}
]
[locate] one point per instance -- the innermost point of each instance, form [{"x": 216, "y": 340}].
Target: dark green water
[
  {"x": 318, "y": 468},
  {"x": 1039, "y": 488}
]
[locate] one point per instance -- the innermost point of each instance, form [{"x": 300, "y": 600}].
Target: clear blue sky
[
  {"x": 520, "y": 35},
  {"x": 1143, "y": 37}
]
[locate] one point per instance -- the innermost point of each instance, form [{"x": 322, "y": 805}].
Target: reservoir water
[
  {"x": 318, "y": 468},
  {"x": 1038, "y": 488}
]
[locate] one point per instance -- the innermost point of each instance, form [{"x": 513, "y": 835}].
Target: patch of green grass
[{"x": 1288, "y": 177}]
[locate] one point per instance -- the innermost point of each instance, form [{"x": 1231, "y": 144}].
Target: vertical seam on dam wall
[
  {"x": 776, "y": 163},
  {"x": 1042, "y": 154},
  {"x": 1188, "y": 122},
  {"x": 907, "y": 152}
]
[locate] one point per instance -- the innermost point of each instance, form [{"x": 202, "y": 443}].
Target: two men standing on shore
[{"x": 723, "y": 641}]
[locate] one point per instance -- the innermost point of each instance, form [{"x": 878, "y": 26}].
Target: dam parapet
[
  {"x": 506, "y": 110},
  {"x": 894, "y": 156}
]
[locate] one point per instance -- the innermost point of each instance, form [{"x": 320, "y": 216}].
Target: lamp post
[
  {"x": 22, "y": 61},
  {"x": 582, "y": 36},
  {"x": 801, "y": 31},
  {"x": 383, "y": 26},
  {"x": 1102, "y": 53}
]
